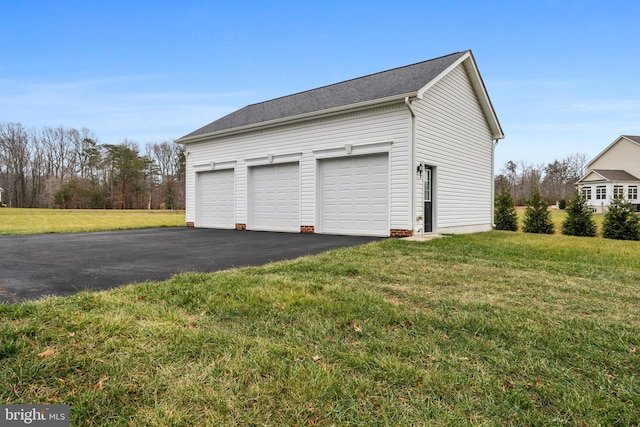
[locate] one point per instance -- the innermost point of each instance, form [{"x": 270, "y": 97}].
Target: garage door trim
[
  {"x": 353, "y": 149},
  {"x": 272, "y": 159}
]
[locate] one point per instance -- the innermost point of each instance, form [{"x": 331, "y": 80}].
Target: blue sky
[{"x": 563, "y": 76}]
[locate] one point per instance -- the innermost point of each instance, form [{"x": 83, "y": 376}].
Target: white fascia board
[
  {"x": 485, "y": 101},
  {"x": 301, "y": 117},
  {"x": 479, "y": 88}
]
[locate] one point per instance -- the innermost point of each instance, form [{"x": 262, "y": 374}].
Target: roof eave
[
  {"x": 603, "y": 178},
  {"x": 298, "y": 118}
]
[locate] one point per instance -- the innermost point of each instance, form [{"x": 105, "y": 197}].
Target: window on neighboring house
[
  {"x": 601, "y": 192},
  {"x": 618, "y": 192},
  {"x": 586, "y": 193},
  {"x": 633, "y": 192}
]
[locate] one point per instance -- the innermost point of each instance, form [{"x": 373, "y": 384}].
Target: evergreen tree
[
  {"x": 505, "y": 216},
  {"x": 562, "y": 204},
  {"x": 537, "y": 218},
  {"x": 620, "y": 221},
  {"x": 579, "y": 220}
]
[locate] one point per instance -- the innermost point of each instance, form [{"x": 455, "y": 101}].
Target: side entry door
[{"x": 428, "y": 199}]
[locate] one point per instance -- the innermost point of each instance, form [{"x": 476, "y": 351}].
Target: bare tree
[
  {"x": 69, "y": 168},
  {"x": 522, "y": 177},
  {"x": 37, "y": 181},
  {"x": 577, "y": 165},
  {"x": 59, "y": 148},
  {"x": 14, "y": 163},
  {"x": 169, "y": 157},
  {"x": 556, "y": 180}
]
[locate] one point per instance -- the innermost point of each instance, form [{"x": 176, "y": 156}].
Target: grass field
[
  {"x": 486, "y": 329},
  {"x": 36, "y": 221}
]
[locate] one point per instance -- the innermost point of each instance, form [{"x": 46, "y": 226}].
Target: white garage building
[{"x": 400, "y": 152}]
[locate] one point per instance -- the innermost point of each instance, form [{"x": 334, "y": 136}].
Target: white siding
[
  {"x": 623, "y": 155},
  {"x": 453, "y": 136},
  {"x": 383, "y": 125}
]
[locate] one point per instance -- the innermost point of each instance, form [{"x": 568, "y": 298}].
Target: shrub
[
  {"x": 537, "y": 218},
  {"x": 63, "y": 196},
  {"x": 505, "y": 216},
  {"x": 579, "y": 220},
  {"x": 562, "y": 204},
  {"x": 620, "y": 221}
]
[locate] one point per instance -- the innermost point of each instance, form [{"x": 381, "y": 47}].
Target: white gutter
[{"x": 412, "y": 164}]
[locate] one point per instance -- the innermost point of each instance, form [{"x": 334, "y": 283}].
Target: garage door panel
[
  {"x": 354, "y": 195},
  {"x": 216, "y": 199},
  {"x": 275, "y": 197}
]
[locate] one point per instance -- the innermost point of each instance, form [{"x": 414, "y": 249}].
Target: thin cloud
[
  {"x": 596, "y": 106},
  {"x": 115, "y": 108}
]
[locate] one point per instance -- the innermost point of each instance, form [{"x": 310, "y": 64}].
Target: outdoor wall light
[{"x": 420, "y": 169}]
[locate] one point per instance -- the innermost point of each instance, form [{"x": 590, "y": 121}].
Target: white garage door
[
  {"x": 274, "y": 197},
  {"x": 354, "y": 195},
  {"x": 215, "y": 207}
]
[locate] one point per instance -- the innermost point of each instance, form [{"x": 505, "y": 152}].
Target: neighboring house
[
  {"x": 403, "y": 151},
  {"x": 613, "y": 173}
]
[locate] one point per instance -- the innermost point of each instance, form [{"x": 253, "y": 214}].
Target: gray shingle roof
[
  {"x": 616, "y": 175},
  {"x": 398, "y": 81},
  {"x": 633, "y": 138}
]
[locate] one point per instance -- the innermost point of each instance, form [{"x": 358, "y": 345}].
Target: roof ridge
[{"x": 355, "y": 78}]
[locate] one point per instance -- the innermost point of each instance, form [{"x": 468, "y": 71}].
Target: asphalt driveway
[{"x": 35, "y": 266}]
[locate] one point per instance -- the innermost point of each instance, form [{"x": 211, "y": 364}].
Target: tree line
[
  {"x": 555, "y": 181},
  {"x": 69, "y": 168}
]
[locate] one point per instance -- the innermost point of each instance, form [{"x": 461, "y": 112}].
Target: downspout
[
  {"x": 493, "y": 183},
  {"x": 412, "y": 157},
  {"x": 407, "y": 102}
]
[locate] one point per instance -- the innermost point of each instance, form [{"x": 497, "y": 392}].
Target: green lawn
[
  {"x": 36, "y": 221},
  {"x": 486, "y": 329}
]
